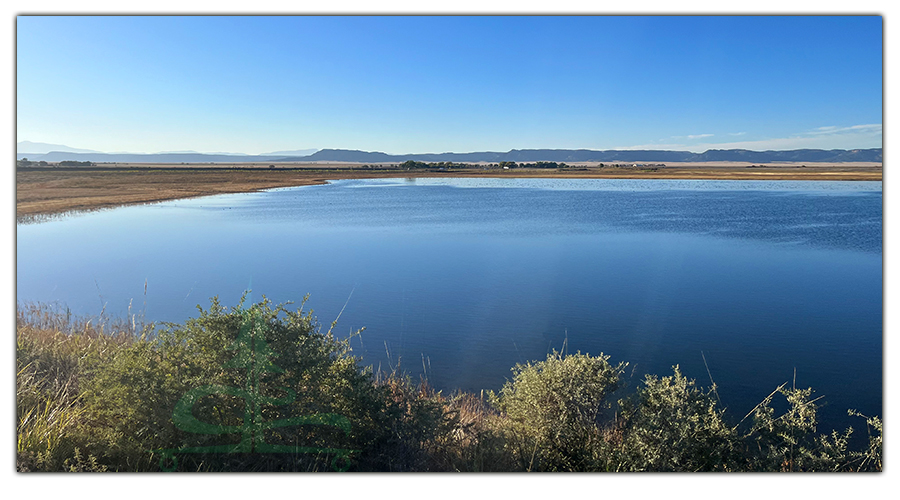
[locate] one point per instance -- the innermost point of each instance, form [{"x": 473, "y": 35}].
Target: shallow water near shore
[{"x": 463, "y": 278}]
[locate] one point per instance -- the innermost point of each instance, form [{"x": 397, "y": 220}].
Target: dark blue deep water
[{"x": 467, "y": 277}]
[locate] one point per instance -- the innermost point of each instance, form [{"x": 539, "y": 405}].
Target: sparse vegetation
[
  {"x": 99, "y": 395},
  {"x": 43, "y": 190}
]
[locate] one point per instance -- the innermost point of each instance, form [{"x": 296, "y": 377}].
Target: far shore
[{"x": 53, "y": 190}]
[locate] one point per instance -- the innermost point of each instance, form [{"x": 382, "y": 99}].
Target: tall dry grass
[{"x": 55, "y": 351}]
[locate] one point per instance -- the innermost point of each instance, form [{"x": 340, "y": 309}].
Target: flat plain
[{"x": 51, "y": 190}]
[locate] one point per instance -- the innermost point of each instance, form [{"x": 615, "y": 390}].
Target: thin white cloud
[
  {"x": 829, "y": 137},
  {"x": 873, "y": 128},
  {"x": 693, "y": 136},
  {"x": 737, "y": 133}
]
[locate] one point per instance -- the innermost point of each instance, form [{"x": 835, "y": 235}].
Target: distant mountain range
[
  {"x": 516, "y": 155},
  {"x": 43, "y": 148},
  {"x": 295, "y": 152},
  {"x": 585, "y": 155}
]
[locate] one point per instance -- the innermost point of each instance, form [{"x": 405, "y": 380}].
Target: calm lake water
[{"x": 463, "y": 278}]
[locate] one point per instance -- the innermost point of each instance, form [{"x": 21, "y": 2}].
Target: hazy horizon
[{"x": 44, "y": 148}]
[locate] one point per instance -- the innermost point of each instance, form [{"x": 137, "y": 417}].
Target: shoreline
[{"x": 49, "y": 191}]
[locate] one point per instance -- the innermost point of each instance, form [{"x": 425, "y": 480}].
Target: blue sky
[{"x": 435, "y": 84}]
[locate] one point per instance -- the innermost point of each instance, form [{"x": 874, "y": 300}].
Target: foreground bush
[
  {"x": 788, "y": 442},
  {"x": 670, "y": 425},
  {"x": 261, "y": 388},
  {"x": 553, "y": 408},
  {"x": 252, "y": 366},
  {"x": 264, "y": 363}
]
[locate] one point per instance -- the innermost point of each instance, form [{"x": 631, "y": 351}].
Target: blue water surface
[{"x": 463, "y": 278}]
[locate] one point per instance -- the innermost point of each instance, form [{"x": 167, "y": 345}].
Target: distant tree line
[
  {"x": 447, "y": 165},
  {"x": 413, "y": 165},
  {"x": 539, "y": 164},
  {"x": 25, "y": 162}
]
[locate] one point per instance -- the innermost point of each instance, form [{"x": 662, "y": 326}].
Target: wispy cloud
[
  {"x": 828, "y": 137},
  {"x": 873, "y": 128},
  {"x": 691, "y": 137}
]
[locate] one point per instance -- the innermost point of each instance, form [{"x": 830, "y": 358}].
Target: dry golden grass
[
  {"x": 53, "y": 351},
  {"x": 60, "y": 190}
]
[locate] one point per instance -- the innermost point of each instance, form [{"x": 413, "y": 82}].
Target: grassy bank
[
  {"x": 42, "y": 191},
  {"x": 263, "y": 388}
]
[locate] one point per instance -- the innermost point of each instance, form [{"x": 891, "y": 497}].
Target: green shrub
[
  {"x": 868, "y": 460},
  {"x": 671, "y": 425},
  {"x": 297, "y": 371},
  {"x": 553, "y": 407},
  {"x": 416, "y": 423},
  {"x": 781, "y": 442},
  {"x": 788, "y": 442}
]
